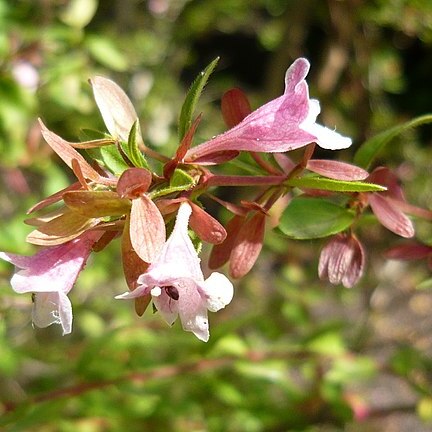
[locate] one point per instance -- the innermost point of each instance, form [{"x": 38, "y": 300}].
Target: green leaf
[
  {"x": 323, "y": 183},
  {"x": 370, "y": 149},
  {"x": 110, "y": 157},
  {"x": 181, "y": 179},
  {"x": 131, "y": 148},
  {"x": 191, "y": 100},
  {"x": 309, "y": 218}
]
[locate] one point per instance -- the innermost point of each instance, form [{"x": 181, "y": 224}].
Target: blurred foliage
[{"x": 289, "y": 353}]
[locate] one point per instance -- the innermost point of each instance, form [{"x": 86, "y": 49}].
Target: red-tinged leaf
[
  {"x": 53, "y": 198},
  {"x": 67, "y": 153},
  {"x": 383, "y": 176},
  {"x": 206, "y": 226},
  {"x": 43, "y": 219},
  {"x": 105, "y": 240},
  {"x": 169, "y": 205},
  {"x": 235, "y": 107},
  {"x": 220, "y": 253},
  {"x": 147, "y": 228},
  {"x": 336, "y": 170},
  {"x": 61, "y": 229},
  {"x": 247, "y": 245},
  {"x": 182, "y": 149},
  {"x": 390, "y": 216},
  {"x": 409, "y": 251},
  {"x": 133, "y": 268},
  {"x": 134, "y": 182},
  {"x": 233, "y": 208},
  {"x": 215, "y": 158},
  {"x": 94, "y": 204},
  {"x": 116, "y": 109},
  {"x": 76, "y": 168}
]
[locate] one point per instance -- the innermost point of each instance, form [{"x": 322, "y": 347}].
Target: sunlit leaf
[
  {"x": 334, "y": 185},
  {"x": 309, "y": 218},
  {"x": 194, "y": 93}
]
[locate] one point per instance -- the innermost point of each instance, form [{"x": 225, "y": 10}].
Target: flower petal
[
  {"x": 167, "y": 307},
  {"x": 52, "y": 308},
  {"x": 218, "y": 290},
  {"x": 326, "y": 138},
  {"x": 283, "y": 124}
]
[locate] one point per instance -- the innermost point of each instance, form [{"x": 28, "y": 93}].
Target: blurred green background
[{"x": 290, "y": 353}]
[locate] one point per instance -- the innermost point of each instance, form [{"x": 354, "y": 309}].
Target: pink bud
[{"x": 342, "y": 260}]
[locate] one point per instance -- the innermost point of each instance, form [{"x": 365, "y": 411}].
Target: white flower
[{"x": 177, "y": 284}]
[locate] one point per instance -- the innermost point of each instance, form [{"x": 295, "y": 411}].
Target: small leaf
[
  {"x": 390, "y": 216},
  {"x": 181, "y": 179},
  {"x": 68, "y": 153},
  {"x": 309, "y": 218},
  {"x": 133, "y": 268},
  {"x": 110, "y": 157},
  {"x": 60, "y": 230},
  {"x": 206, "y": 226},
  {"x": 191, "y": 100},
  {"x": 94, "y": 204},
  {"x": 247, "y": 245},
  {"x": 371, "y": 148},
  {"x": 134, "y": 182},
  {"x": 220, "y": 253},
  {"x": 56, "y": 197},
  {"x": 131, "y": 147},
  {"x": 235, "y": 107},
  {"x": 116, "y": 109},
  {"x": 334, "y": 185}
]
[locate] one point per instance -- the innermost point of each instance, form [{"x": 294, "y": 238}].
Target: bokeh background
[{"x": 290, "y": 353}]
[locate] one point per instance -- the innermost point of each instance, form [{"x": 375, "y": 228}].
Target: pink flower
[
  {"x": 51, "y": 274},
  {"x": 342, "y": 260},
  {"x": 177, "y": 284},
  {"x": 283, "y": 124}
]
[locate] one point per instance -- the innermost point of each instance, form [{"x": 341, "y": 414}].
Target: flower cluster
[{"x": 145, "y": 195}]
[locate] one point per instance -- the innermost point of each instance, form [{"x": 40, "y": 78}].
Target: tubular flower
[
  {"x": 176, "y": 282},
  {"x": 51, "y": 274},
  {"x": 283, "y": 124}
]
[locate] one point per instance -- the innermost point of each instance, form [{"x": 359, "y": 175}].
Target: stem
[
  {"x": 224, "y": 180},
  {"x": 267, "y": 166},
  {"x": 153, "y": 154}
]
